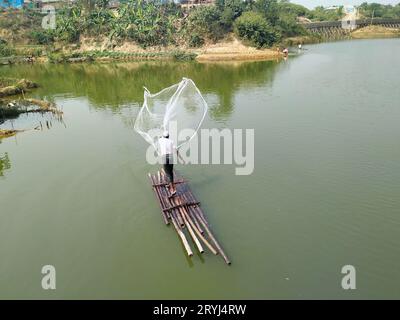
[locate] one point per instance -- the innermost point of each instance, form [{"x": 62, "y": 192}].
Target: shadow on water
[{"x": 113, "y": 86}]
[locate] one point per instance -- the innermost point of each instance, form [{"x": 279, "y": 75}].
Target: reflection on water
[
  {"x": 116, "y": 85},
  {"x": 5, "y": 163}
]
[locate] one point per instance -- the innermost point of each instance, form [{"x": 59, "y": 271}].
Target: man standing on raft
[{"x": 167, "y": 150}]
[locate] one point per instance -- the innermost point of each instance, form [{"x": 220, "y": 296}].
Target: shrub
[
  {"x": 183, "y": 56},
  {"x": 230, "y": 10},
  {"x": 55, "y": 57},
  {"x": 288, "y": 26},
  {"x": 29, "y": 51},
  {"x": 149, "y": 23},
  {"x": 205, "y": 21},
  {"x": 6, "y": 50},
  {"x": 70, "y": 23},
  {"x": 195, "y": 40},
  {"x": 253, "y": 27},
  {"x": 42, "y": 37},
  {"x": 269, "y": 10}
]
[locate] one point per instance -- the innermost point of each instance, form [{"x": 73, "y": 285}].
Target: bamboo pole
[
  {"x": 216, "y": 243},
  {"x": 204, "y": 222},
  {"x": 191, "y": 214},
  {"x": 168, "y": 204},
  {"x": 182, "y": 236},
  {"x": 193, "y": 235},
  {"x": 159, "y": 200},
  {"x": 196, "y": 208},
  {"x": 174, "y": 220},
  {"x": 161, "y": 194},
  {"x": 180, "y": 219},
  {"x": 164, "y": 201},
  {"x": 193, "y": 199},
  {"x": 170, "y": 201},
  {"x": 188, "y": 220},
  {"x": 200, "y": 235},
  {"x": 189, "y": 227}
]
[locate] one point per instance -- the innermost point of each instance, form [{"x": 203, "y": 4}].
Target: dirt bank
[
  {"x": 375, "y": 32},
  {"x": 226, "y": 50},
  {"x": 233, "y": 49}
]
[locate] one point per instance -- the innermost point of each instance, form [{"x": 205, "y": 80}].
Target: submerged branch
[
  {"x": 11, "y": 109},
  {"x": 11, "y": 87}
]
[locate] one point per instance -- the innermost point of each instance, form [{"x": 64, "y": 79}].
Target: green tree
[
  {"x": 269, "y": 9},
  {"x": 377, "y": 10},
  {"x": 70, "y": 23},
  {"x": 253, "y": 27},
  {"x": 205, "y": 21},
  {"x": 320, "y": 13},
  {"x": 230, "y": 10}
]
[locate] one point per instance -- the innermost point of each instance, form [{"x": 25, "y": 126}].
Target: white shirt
[{"x": 166, "y": 146}]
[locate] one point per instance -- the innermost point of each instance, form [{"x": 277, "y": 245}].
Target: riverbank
[
  {"x": 370, "y": 32},
  {"x": 228, "y": 49},
  {"x": 90, "y": 50},
  {"x": 233, "y": 49},
  {"x": 374, "y": 32}
]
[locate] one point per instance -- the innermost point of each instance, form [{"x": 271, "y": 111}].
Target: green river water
[{"x": 325, "y": 191}]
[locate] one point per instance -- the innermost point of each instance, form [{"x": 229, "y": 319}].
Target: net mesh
[{"x": 173, "y": 109}]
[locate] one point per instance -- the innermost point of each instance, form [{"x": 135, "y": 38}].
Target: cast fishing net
[{"x": 173, "y": 109}]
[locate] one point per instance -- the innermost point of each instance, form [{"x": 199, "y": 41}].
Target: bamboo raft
[{"x": 185, "y": 213}]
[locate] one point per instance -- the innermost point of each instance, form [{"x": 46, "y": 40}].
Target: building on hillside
[{"x": 11, "y": 3}]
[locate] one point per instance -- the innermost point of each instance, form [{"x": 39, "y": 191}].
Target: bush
[
  {"x": 183, "y": 56},
  {"x": 6, "y": 50},
  {"x": 195, "y": 40},
  {"x": 149, "y": 23},
  {"x": 288, "y": 26},
  {"x": 55, "y": 57},
  {"x": 42, "y": 37},
  {"x": 253, "y": 27},
  {"x": 230, "y": 10},
  {"x": 269, "y": 10},
  {"x": 32, "y": 51},
  {"x": 322, "y": 14},
  {"x": 70, "y": 23},
  {"x": 205, "y": 21}
]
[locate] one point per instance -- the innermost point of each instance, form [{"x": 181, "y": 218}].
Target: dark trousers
[{"x": 168, "y": 165}]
